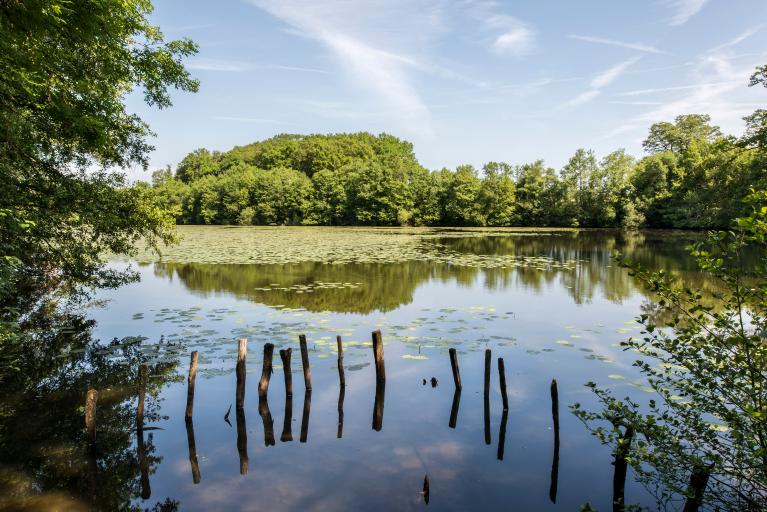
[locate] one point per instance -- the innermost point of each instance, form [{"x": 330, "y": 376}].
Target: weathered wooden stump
[
  {"x": 454, "y": 367},
  {"x": 341, "y": 376},
  {"x": 378, "y": 354},
  {"x": 266, "y": 371},
  {"x": 242, "y": 351},
  {"x": 502, "y": 379},
  {"x": 190, "y": 385},
  {"x": 285, "y": 355},
  {"x": 305, "y": 362}
]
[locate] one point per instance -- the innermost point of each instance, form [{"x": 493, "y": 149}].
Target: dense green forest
[{"x": 693, "y": 176}]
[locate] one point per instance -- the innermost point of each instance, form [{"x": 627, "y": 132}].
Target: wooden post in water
[
  {"x": 502, "y": 379},
  {"x": 266, "y": 371},
  {"x": 192, "y": 449},
  {"x": 142, "y": 376},
  {"x": 454, "y": 367},
  {"x": 555, "y": 459},
  {"x": 621, "y": 468},
  {"x": 285, "y": 356},
  {"x": 698, "y": 483},
  {"x": 90, "y": 414},
  {"x": 190, "y": 386},
  {"x": 305, "y": 416},
  {"x": 488, "y": 357},
  {"x": 378, "y": 354},
  {"x": 454, "y": 408},
  {"x": 341, "y": 377},
  {"x": 242, "y": 351},
  {"x": 239, "y": 411},
  {"x": 486, "y": 396},
  {"x": 305, "y": 362}
]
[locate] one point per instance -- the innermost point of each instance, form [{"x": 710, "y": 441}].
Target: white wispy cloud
[
  {"x": 609, "y": 75},
  {"x": 516, "y": 38},
  {"x": 216, "y": 65},
  {"x": 602, "y": 80},
  {"x": 297, "y": 68},
  {"x": 508, "y": 35},
  {"x": 371, "y": 46},
  {"x": 248, "y": 119},
  {"x": 684, "y": 10},
  {"x": 584, "y": 97},
  {"x": 726, "y": 99},
  {"x": 203, "y": 64},
  {"x": 737, "y": 40},
  {"x": 656, "y": 90},
  {"x": 622, "y": 44}
]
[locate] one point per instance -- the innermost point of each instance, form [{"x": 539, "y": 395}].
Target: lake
[{"x": 552, "y": 303}]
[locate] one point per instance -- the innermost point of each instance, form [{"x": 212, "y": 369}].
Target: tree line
[{"x": 693, "y": 176}]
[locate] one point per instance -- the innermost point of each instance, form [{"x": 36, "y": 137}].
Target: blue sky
[{"x": 467, "y": 81}]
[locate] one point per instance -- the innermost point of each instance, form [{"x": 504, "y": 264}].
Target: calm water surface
[{"x": 553, "y": 305}]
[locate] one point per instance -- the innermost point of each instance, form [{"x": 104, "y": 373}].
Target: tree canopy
[
  {"x": 693, "y": 177},
  {"x": 65, "y": 135}
]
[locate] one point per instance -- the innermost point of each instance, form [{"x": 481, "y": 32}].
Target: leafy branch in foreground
[
  {"x": 709, "y": 368},
  {"x": 65, "y": 134}
]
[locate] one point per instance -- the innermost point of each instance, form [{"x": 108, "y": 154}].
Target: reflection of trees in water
[
  {"x": 386, "y": 286},
  {"x": 46, "y": 462}
]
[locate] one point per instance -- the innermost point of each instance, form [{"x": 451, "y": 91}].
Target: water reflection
[
  {"x": 192, "y": 451},
  {"x": 41, "y": 423},
  {"x": 47, "y": 459},
  {"x": 555, "y": 458},
  {"x": 305, "y": 416},
  {"x": 378, "y": 406},
  {"x": 367, "y": 287}
]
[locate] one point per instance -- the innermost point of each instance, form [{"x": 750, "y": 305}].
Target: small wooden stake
[
  {"x": 454, "y": 367},
  {"x": 698, "y": 483},
  {"x": 378, "y": 353},
  {"x": 285, "y": 356},
  {"x": 555, "y": 407},
  {"x": 242, "y": 351},
  {"x": 190, "y": 385},
  {"x": 502, "y": 378},
  {"x": 90, "y": 414},
  {"x": 341, "y": 377},
  {"x": 488, "y": 357},
  {"x": 305, "y": 362},
  {"x": 266, "y": 371},
  {"x": 142, "y": 376}
]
